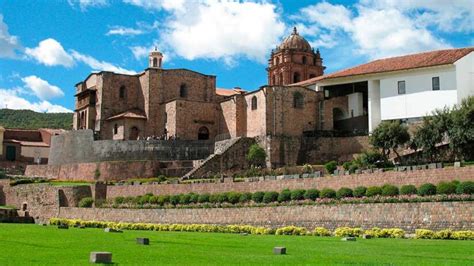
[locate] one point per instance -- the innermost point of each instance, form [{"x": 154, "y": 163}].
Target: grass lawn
[
  {"x": 66, "y": 183},
  {"x": 38, "y": 245}
]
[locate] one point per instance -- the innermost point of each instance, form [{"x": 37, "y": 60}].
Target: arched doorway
[
  {"x": 203, "y": 133},
  {"x": 134, "y": 133}
]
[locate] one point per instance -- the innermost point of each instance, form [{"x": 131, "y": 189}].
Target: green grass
[
  {"x": 68, "y": 183},
  {"x": 37, "y": 245}
]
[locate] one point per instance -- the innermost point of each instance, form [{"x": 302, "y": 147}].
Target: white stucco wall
[
  {"x": 419, "y": 99},
  {"x": 465, "y": 76},
  {"x": 356, "y": 104}
]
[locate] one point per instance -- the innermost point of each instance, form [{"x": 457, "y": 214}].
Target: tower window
[
  {"x": 277, "y": 61},
  {"x": 183, "y": 91},
  {"x": 155, "y": 62},
  {"x": 304, "y": 60},
  {"x": 296, "y": 77},
  {"x": 115, "y": 129},
  {"x": 435, "y": 83},
  {"x": 122, "y": 92},
  {"x": 401, "y": 87},
  {"x": 298, "y": 100},
  {"x": 254, "y": 103}
]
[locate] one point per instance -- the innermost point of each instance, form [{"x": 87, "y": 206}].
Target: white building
[{"x": 405, "y": 87}]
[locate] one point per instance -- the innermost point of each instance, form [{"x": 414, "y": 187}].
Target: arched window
[
  {"x": 304, "y": 60},
  {"x": 183, "y": 91},
  {"x": 122, "y": 92},
  {"x": 115, "y": 129},
  {"x": 296, "y": 77},
  {"x": 298, "y": 100},
  {"x": 134, "y": 131},
  {"x": 203, "y": 133},
  {"x": 155, "y": 62},
  {"x": 277, "y": 61},
  {"x": 254, "y": 103}
]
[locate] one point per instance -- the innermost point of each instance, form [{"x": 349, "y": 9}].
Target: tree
[
  {"x": 390, "y": 135},
  {"x": 256, "y": 155}
]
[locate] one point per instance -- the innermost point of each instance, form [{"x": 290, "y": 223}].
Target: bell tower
[
  {"x": 155, "y": 59},
  {"x": 293, "y": 61}
]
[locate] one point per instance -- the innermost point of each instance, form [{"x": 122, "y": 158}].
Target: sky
[{"x": 47, "y": 46}]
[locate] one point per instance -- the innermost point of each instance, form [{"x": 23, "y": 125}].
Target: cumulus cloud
[
  {"x": 50, "y": 53},
  {"x": 99, "y": 65},
  {"x": 84, "y": 4},
  {"x": 13, "y": 100},
  {"x": 124, "y": 31},
  {"x": 41, "y": 88},
  {"x": 8, "y": 43},
  {"x": 218, "y": 30}
]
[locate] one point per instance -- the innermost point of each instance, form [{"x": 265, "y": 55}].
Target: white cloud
[
  {"x": 99, "y": 65},
  {"x": 84, "y": 4},
  {"x": 158, "y": 4},
  {"x": 124, "y": 31},
  {"x": 8, "y": 43},
  {"x": 41, "y": 88},
  {"x": 50, "y": 53},
  {"x": 11, "y": 99}
]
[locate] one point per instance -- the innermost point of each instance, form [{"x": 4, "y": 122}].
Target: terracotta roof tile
[{"x": 229, "y": 92}]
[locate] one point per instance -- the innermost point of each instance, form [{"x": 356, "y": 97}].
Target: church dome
[{"x": 295, "y": 42}]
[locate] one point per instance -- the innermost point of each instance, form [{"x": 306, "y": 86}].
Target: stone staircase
[{"x": 220, "y": 149}]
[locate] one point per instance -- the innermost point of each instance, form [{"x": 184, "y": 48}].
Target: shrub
[
  {"x": 213, "y": 198},
  {"x": 270, "y": 196},
  {"x": 424, "y": 234},
  {"x": 321, "y": 231},
  {"x": 373, "y": 191},
  {"x": 297, "y": 194},
  {"x": 222, "y": 197},
  {"x": 307, "y": 169},
  {"x": 193, "y": 198},
  {"x": 256, "y": 155},
  {"x": 427, "y": 189},
  {"x": 466, "y": 187},
  {"x": 184, "y": 199},
  {"x": 163, "y": 199},
  {"x": 390, "y": 190},
  {"x": 347, "y": 231},
  {"x": 174, "y": 199},
  {"x": 443, "y": 234},
  {"x": 359, "y": 191},
  {"x": 330, "y": 167},
  {"x": 311, "y": 194},
  {"x": 291, "y": 230},
  {"x": 408, "y": 190},
  {"x": 143, "y": 199},
  {"x": 347, "y": 166},
  {"x": 344, "y": 192},
  {"x": 86, "y": 202},
  {"x": 257, "y": 197},
  {"x": 233, "y": 197},
  {"x": 153, "y": 199},
  {"x": 245, "y": 197},
  {"x": 391, "y": 233},
  {"x": 203, "y": 198},
  {"x": 285, "y": 195},
  {"x": 328, "y": 193},
  {"x": 446, "y": 188},
  {"x": 463, "y": 235},
  {"x": 119, "y": 200}
]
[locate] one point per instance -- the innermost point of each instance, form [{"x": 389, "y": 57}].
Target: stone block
[
  {"x": 279, "y": 250},
  {"x": 349, "y": 238},
  {"x": 336, "y": 172},
  {"x": 100, "y": 257},
  {"x": 318, "y": 174},
  {"x": 439, "y": 165},
  {"x": 305, "y": 175},
  {"x": 111, "y": 230},
  {"x": 457, "y": 164},
  {"x": 432, "y": 166},
  {"x": 244, "y": 234},
  {"x": 366, "y": 236},
  {"x": 143, "y": 241},
  {"x": 358, "y": 171},
  {"x": 63, "y": 226}
]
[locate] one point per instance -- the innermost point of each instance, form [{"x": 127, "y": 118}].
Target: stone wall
[
  {"x": 416, "y": 178},
  {"x": 79, "y": 147},
  {"x": 408, "y": 216},
  {"x": 320, "y": 150}
]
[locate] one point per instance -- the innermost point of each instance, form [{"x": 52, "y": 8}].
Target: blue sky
[{"x": 48, "y": 46}]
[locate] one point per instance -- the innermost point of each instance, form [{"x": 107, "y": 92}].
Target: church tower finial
[
  {"x": 295, "y": 31},
  {"x": 155, "y": 59}
]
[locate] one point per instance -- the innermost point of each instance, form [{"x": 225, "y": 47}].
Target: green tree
[
  {"x": 256, "y": 155},
  {"x": 390, "y": 135}
]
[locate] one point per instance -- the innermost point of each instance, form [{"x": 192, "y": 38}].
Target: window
[
  {"x": 122, "y": 92},
  {"x": 254, "y": 103},
  {"x": 312, "y": 76},
  {"x": 155, "y": 62},
  {"x": 304, "y": 60},
  {"x": 435, "y": 83},
  {"x": 183, "y": 91},
  {"x": 401, "y": 87},
  {"x": 281, "y": 79},
  {"x": 298, "y": 100},
  {"x": 277, "y": 61},
  {"x": 296, "y": 77},
  {"x": 115, "y": 129}
]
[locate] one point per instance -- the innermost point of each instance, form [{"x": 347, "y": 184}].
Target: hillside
[{"x": 28, "y": 119}]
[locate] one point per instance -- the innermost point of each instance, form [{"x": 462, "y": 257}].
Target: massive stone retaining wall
[
  {"x": 408, "y": 216},
  {"x": 79, "y": 147},
  {"x": 416, "y": 178}
]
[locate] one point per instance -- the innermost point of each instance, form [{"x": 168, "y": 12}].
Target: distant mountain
[{"x": 27, "y": 119}]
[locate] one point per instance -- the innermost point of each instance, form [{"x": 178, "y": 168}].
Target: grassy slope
[{"x": 33, "y": 244}]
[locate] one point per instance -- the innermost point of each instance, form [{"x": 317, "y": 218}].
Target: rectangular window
[
  {"x": 401, "y": 87},
  {"x": 435, "y": 83}
]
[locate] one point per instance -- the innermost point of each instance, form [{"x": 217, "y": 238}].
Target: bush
[
  {"x": 193, "y": 198},
  {"x": 245, "y": 197},
  {"x": 408, "y": 190},
  {"x": 427, "y": 189},
  {"x": 373, "y": 191},
  {"x": 119, "y": 200},
  {"x": 203, "y": 198},
  {"x": 86, "y": 202},
  {"x": 297, "y": 194},
  {"x": 163, "y": 199},
  {"x": 153, "y": 199},
  {"x": 321, "y": 231},
  {"x": 424, "y": 234},
  {"x": 233, "y": 197},
  {"x": 257, "y": 197},
  {"x": 184, "y": 199},
  {"x": 390, "y": 233},
  {"x": 359, "y": 191},
  {"x": 222, "y": 197},
  {"x": 330, "y": 167},
  {"x": 213, "y": 198},
  {"x": 446, "y": 188},
  {"x": 466, "y": 187},
  {"x": 311, "y": 194},
  {"x": 347, "y": 166},
  {"x": 174, "y": 199},
  {"x": 390, "y": 190},
  {"x": 291, "y": 230},
  {"x": 328, "y": 193},
  {"x": 285, "y": 195},
  {"x": 270, "y": 196},
  {"x": 256, "y": 155},
  {"x": 347, "y": 231},
  {"x": 344, "y": 192}
]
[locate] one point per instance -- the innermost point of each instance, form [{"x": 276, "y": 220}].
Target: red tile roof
[
  {"x": 229, "y": 92},
  {"x": 426, "y": 59}
]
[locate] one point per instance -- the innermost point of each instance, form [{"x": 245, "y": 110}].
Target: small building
[{"x": 26, "y": 145}]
